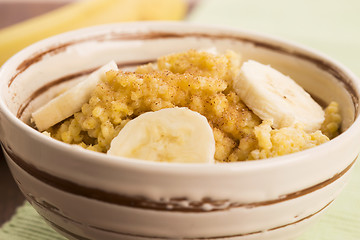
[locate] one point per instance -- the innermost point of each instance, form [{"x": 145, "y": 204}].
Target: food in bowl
[{"x": 252, "y": 111}]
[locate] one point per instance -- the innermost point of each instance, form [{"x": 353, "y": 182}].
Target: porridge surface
[{"x": 202, "y": 82}]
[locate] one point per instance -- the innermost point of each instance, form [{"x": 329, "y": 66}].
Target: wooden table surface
[{"x": 12, "y": 12}]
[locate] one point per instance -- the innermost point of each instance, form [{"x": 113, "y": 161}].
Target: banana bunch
[{"x": 82, "y": 14}]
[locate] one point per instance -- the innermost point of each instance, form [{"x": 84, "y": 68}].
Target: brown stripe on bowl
[
  {"x": 76, "y": 236},
  {"x": 173, "y": 204}
]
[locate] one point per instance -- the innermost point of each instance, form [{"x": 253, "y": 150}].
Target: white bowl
[{"x": 88, "y": 195}]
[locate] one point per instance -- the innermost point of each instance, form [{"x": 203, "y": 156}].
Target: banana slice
[
  {"x": 276, "y": 97},
  {"x": 168, "y": 135},
  {"x": 69, "y": 102}
]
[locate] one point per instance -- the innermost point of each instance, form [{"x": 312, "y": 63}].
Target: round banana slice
[
  {"x": 69, "y": 102},
  {"x": 276, "y": 97},
  {"x": 168, "y": 135}
]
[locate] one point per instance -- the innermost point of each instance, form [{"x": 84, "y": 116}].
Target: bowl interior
[{"x": 41, "y": 71}]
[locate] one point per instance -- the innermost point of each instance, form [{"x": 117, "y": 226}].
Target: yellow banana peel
[{"x": 82, "y": 14}]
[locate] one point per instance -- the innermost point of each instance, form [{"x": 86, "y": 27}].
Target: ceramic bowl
[{"x": 87, "y": 195}]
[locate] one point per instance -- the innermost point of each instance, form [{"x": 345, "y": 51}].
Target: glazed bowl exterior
[{"x": 88, "y": 195}]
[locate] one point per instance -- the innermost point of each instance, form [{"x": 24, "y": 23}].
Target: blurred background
[
  {"x": 14, "y": 11},
  {"x": 329, "y": 26}
]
